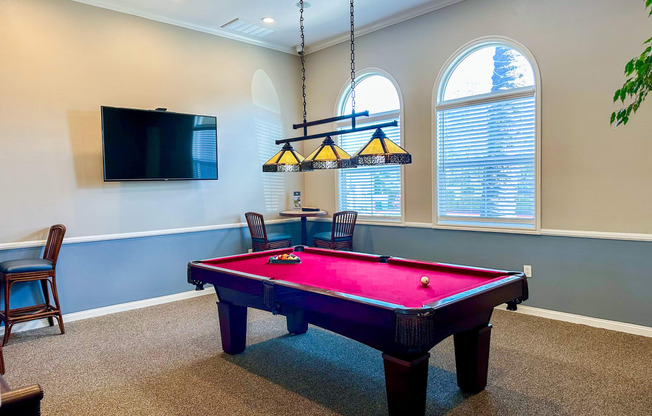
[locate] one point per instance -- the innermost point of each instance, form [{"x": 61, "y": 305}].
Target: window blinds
[
  {"x": 486, "y": 162},
  {"x": 374, "y": 190}
]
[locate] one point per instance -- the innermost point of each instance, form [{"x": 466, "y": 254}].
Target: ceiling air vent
[{"x": 241, "y": 26}]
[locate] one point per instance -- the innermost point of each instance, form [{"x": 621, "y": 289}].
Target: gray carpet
[{"x": 167, "y": 360}]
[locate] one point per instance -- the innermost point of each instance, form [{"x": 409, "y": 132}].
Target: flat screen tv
[{"x": 144, "y": 145}]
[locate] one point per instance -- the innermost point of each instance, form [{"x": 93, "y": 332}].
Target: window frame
[
  {"x": 340, "y": 103},
  {"x": 437, "y": 97}
]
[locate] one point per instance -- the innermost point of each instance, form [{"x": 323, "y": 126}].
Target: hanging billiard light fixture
[
  {"x": 288, "y": 159},
  {"x": 379, "y": 150}
]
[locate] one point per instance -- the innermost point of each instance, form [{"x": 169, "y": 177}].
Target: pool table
[{"x": 376, "y": 300}]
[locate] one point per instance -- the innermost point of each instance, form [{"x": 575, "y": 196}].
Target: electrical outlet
[
  {"x": 251, "y": 250},
  {"x": 527, "y": 269}
]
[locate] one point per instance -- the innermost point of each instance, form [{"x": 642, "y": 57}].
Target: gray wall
[
  {"x": 593, "y": 175},
  {"x": 61, "y": 60}
]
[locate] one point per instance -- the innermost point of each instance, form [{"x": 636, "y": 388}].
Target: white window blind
[
  {"x": 373, "y": 191},
  {"x": 486, "y": 162}
]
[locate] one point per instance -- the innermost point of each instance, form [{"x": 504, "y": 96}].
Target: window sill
[
  {"x": 381, "y": 221},
  {"x": 487, "y": 226}
]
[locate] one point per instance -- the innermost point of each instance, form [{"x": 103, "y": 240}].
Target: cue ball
[{"x": 425, "y": 280}]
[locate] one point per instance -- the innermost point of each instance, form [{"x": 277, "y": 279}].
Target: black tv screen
[{"x": 144, "y": 145}]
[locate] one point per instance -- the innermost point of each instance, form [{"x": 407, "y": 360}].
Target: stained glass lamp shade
[
  {"x": 328, "y": 156},
  {"x": 287, "y": 160},
  {"x": 382, "y": 151}
]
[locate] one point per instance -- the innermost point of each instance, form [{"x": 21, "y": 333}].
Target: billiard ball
[{"x": 425, "y": 280}]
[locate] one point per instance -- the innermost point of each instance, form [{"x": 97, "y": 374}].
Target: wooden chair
[
  {"x": 30, "y": 270},
  {"x": 260, "y": 240},
  {"x": 341, "y": 234}
]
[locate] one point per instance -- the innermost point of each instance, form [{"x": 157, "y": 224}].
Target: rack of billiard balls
[{"x": 286, "y": 258}]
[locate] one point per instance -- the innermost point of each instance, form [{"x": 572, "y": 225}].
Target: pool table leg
[
  {"x": 472, "y": 358},
  {"x": 233, "y": 327},
  {"x": 297, "y": 323},
  {"x": 406, "y": 383}
]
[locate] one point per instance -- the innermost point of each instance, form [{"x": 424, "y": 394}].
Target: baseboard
[
  {"x": 526, "y": 310},
  {"x": 584, "y": 320},
  {"x": 107, "y": 310}
]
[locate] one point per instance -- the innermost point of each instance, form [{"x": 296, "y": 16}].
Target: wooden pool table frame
[{"x": 404, "y": 335}]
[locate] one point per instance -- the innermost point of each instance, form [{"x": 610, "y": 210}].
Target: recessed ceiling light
[{"x": 268, "y": 20}]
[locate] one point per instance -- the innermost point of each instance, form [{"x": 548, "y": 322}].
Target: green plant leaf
[
  {"x": 638, "y": 84},
  {"x": 629, "y": 67}
]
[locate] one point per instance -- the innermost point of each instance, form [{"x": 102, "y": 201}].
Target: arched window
[
  {"x": 373, "y": 191},
  {"x": 486, "y": 139}
]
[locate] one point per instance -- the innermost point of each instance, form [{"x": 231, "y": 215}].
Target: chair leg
[
  {"x": 46, "y": 297},
  {"x": 5, "y": 339},
  {"x": 7, "y": 288},
  {"x": 2, "y": 362},
  {"x": 55, "y": 295}
]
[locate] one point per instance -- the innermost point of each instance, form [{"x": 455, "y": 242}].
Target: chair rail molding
[{"x": 137, "y": 234}]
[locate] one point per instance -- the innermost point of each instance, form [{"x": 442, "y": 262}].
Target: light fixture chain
[
  {"x": 303, "y": 61},
  {"x": 352, "y": 61}
]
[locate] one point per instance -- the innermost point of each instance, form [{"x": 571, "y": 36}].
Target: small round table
[{"x": 304, "y": 215}]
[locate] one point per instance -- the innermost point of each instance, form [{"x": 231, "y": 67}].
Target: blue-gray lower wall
[
  {"x": 96, "y": 274},
  {"x": 608, "y": 279}
]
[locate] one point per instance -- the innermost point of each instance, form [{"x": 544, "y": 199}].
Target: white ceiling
[{"x": 326, "y": 21}]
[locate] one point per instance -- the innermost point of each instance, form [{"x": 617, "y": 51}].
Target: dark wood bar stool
[
  {"x": 30, "y": 270},
  {"x": 341, "y": 234},
  {"x": 260, "y": 239}
]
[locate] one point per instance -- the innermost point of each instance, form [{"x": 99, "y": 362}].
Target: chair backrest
[
  {"x": 256, "y": 225},
  {"x": 343, "y": 224},
  {"x": 53, "y": 245}
]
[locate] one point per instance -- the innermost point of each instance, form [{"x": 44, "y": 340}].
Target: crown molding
[
  {"x": 199, "y": 28},
  {"x": 314, "y": 47},
  {"x": 390, "y": 21}
]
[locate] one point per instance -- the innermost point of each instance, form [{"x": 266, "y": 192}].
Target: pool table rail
[{"x": 391, "y": 328}]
